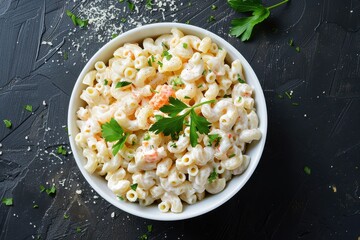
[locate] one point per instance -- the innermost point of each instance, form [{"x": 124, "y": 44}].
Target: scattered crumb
[
  {"x": 112, "y": 215},
  {"x": 305, "y": 115},
  {"x": 78, "y": 191},
  {"x": 334, "y": 188},
  {"x": 44, "y": 103}
]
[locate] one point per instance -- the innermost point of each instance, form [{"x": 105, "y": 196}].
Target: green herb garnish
[
  {"x": 112, "y": 132},
  {"x": 76, "y": 20},
  {"x": 213, "y": 176},
  {"x": 173, "y": 125},
  {"x": 307, "y": 170},
  {"x": 244, "y": 26},
  {"x": 288, "y": 95},
  {"x": 78, "y": 229},
  {"x": 211, "y": 19},
  {"x": 149, "y": 4},
  {"x": 105, "y": 82},
  {"x": 123, "y": 19},
  {"x": 149, "y": 228},
  {"x": 134, "y": 186},
  {"x": 214, "y": 138},
  {"x": 114, "y": 35},
  {"x": 185, "y": 45},
  {"x": 165, "y": 46},
  {"x": 61, "y": 150},
  {"x": 232, "y": 155},
  {"x": 35, "y": 206},
  {"x": 122, "y": 84},
  {"x": 291, "y": 42},
  {"x": 160, "y": 63},
  {"x": 8, "y": 123},
  {"x": 297, "y": 49},
  {"x": 147, "y": 136},
  {"x": 173, "y": 145},
  {"x": 240, "y": 80},
  {"x": 7, "y": 201},
  {"x": 42, "y": 188},
  {"x": 187, "y": 97},
  {"x": 213, "y": 7},
  {"x": 131, "y": 5},
  {"x": 66, "y": 216},
  {"x": 158, "y": 117},
  {"x": 51, "y": 191},
  {"x": 167, "y": 55},
  {"x": 120, "y": 198}
]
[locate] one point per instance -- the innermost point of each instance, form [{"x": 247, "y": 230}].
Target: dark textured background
[{"x": 280, "y": 201}]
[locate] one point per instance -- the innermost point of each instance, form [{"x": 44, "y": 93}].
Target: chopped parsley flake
[
  {"x": 232, "y": 155},
  {"x": 149, "y": 228},
  {"x": 120, "y": 198},
  {"x": 122, "y": 84},
  {"x": 295, "y": 104},
  {"x": 185, "y": 45},
  {"x": 35, "y": 206},
  {"x": 123, "y": 19},
  {"x": 114, "y": 35},
  {"x": 200, "y": 86},
  {"x": 76, "y": 20},
  {"x": 42, "y": 188},
  {"x": 134, "y": 186},
  {"x": 214, "y": 138},
  {"x": 177, "y": 81},
  {"x": 307, "y": 170},
  {"x": 240, "y": 80},
  {"x": 131, "y": 5},
  {"x": 78, "y": 229},
  {"x": 105, "y": 82},
  {"x": 160, "y": 63},
  {"x": 204, "y": 72},
  {"x": 239, "y": 99},
  {"x": 147, "y": 136},
  {"x": 297, "y": 49},
  {"x": 167, "y": 55},
  {"x": 152, "y": 58},
  {"x": 143, "y": 237},
  {"x": 213, "y": 176},
  {"x": 149, "y": 62},
  {"x": 51, "y": 191},
  {"x": 213, "y": 7},
  {"x": 211, "y": 19},
  {"x": 187, "y": 97},
  {"x": 7, "y": 201},
  {"x": 8, "y": 123},
  {"x": 227, "y": 96},
  {"x": 291, "y": 42},
  {"x": 187, "y": 22},
  {"x": 61, "y": 150},
  {"x": 66, "y": 216},
  {"x": 149, "y": 4},
  {"x": 173, "y": 145}
]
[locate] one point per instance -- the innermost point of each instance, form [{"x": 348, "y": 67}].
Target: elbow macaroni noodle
[{"x": 167, "y": 172}]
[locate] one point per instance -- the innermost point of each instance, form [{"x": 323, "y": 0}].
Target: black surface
[{"x": 280, "y": 201}]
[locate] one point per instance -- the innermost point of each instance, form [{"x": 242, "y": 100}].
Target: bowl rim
[{"x": 168, "y": 216}]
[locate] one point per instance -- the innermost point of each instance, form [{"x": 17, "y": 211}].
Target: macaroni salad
[{"x": 129, "y": 135}]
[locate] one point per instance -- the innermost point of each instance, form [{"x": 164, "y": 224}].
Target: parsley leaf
[
  {"x": 77, "y": 21},
  {"x": 185, "y": 45},
  {"x": 66, "y": 216},
  {"x": 175, "y": 107},
  {"x": 42, "y": 188},
  {"x": 61, "y": 150},
  {"x": 28, "y": 108},
  {"x": 105, "y": 82},
  {"x": 240, "y": 80},
  {"x": 122, "y": 84},
  {"x": 8, "y": 123},
  {"x": 7, "y": 201},
  {"x": 213, "y": 176},
  {"x": 112, "y": 132},
  {"x": 307, "y": 170},
  {"x": 131, "y": 5},
  {"x": 174, "y": 124},
  {"x": 232, "y": 155},
  {"x": 134, "y": 186},
  {"x": 114, "y": 35},
  {"x": 243, "y": 26},
  {"x": 197, "y": 123},
  {"x": 35, "y": 206},
  {"x": 149, "y": 228},
  {"x": 214, "y": 138}
]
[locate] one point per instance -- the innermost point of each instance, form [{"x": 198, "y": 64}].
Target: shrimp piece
[
  {"x": 162, "y": 98},
  {"x": 151, "y": 156}
]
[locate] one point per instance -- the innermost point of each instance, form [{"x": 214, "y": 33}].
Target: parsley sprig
[
  {"x": 174, "y": 124},
  {"x": 243, "y": 26},
  {"x": 112, "y": 132}
]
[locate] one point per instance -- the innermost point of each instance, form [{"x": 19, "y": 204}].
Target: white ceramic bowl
[{"x": 211, "y": 201}]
